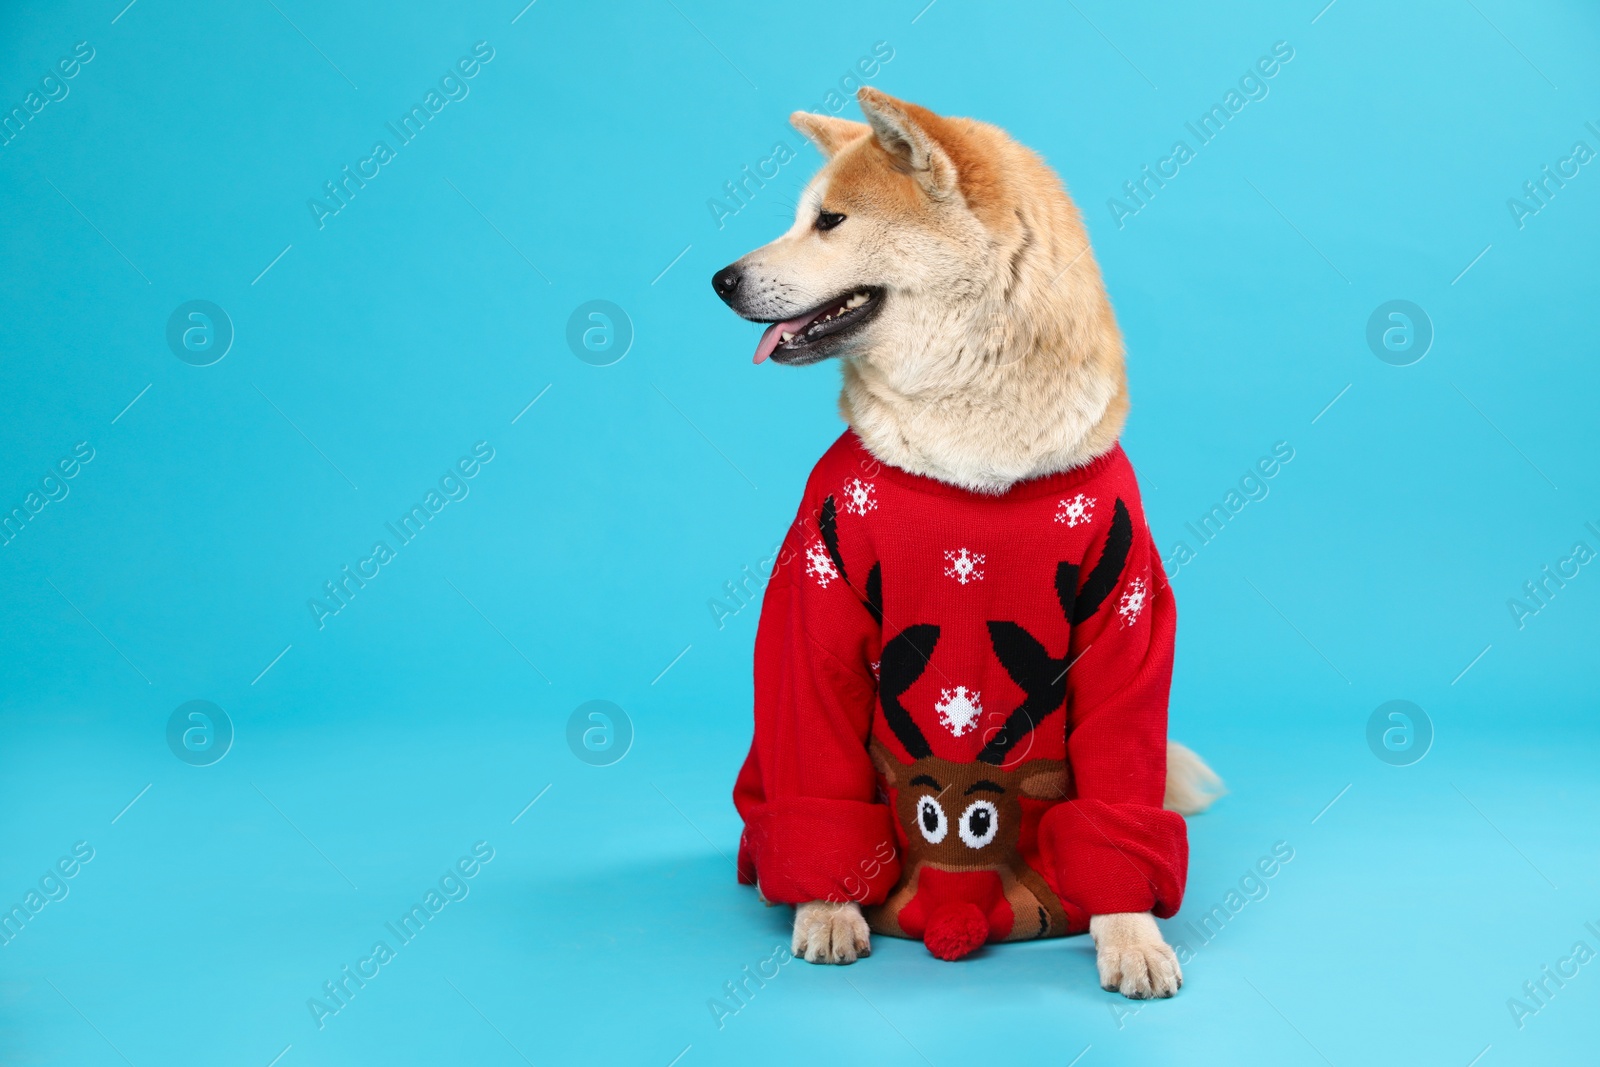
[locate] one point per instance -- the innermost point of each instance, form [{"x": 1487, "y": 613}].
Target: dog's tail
[{"x": 1191, "y": 785}]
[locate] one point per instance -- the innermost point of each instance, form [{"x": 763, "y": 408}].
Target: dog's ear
[
  {"x": 828, "y": 133},
  {"x": 905, "y": 132}
]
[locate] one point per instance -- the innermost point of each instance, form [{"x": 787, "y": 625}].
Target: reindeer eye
[
  {"x": 979, "y": 823},
  {"x": 827, "y": 220},
  {"x": 931, "y": 820}
]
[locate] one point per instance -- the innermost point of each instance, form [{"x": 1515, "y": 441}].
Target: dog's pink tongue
[{"x": 769, "y": 340}]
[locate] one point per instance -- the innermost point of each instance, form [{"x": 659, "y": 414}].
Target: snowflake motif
[
  {"x": 1077, "y": 511},
  {"x": 876, "y": 664},
  {"x": 820, "y": 565},
  {"x": 859, "y": 497},
  {"x": 1132, "y": 602},
  {"x": 964, "y": 566},
  {"x": 959, "y": 709}
]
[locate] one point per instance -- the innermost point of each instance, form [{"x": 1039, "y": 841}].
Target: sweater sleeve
[
  {"x": 1113, "y": 847},
  {"x": 815, "y": 828}
]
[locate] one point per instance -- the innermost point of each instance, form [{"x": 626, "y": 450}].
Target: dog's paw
[
  {"x": 1132, "y": 957},
  {"x": 830, "y": 933}
]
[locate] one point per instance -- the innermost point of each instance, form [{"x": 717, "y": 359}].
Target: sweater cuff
[
  {"x": 1113, "y": 858},
  {"x": 811, "y": 848}
]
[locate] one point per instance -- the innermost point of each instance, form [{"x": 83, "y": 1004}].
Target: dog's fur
[{"x": 991, "y": 355}]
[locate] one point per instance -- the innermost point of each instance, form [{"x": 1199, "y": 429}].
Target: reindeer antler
[
  {"x": 828, "y": 526},
  {"x": 902, "y": 662},
  {"x": 1042, "y": 677},
  {"x": 1107, "y": 571}
]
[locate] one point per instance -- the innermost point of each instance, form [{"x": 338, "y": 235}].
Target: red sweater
[{"x": 920, "y": 742}]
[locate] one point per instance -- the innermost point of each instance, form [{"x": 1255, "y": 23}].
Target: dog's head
[{"x": 923, "y": 245}]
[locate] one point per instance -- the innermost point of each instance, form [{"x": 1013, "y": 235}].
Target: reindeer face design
[
  {"x": 964, "y": 881},
  {"x": 966, "y": 816}
]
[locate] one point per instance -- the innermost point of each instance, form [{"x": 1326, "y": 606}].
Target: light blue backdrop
[{"x": 375, "y": 346}]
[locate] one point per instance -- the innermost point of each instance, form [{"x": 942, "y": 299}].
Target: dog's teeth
[
  {"x": 857, "y": 300},
  {"x": 786, "y": 336}
]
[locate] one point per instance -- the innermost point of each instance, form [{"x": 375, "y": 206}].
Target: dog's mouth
[{"x": 810, "y": 337}]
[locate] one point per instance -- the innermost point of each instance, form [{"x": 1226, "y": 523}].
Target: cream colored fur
[
  {"x": 1192, "y": 787},
  {"x": 994, "y": 358}
]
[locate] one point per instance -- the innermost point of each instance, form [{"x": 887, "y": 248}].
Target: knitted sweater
[{"x": 961, "y": 706}]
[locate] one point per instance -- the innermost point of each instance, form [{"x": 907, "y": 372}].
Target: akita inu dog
[{"x": 965, "y": 650}]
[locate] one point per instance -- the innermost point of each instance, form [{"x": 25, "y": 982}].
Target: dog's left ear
[
  {"x": 904, "y": 131},
  {"x": 828, "y": 133}
]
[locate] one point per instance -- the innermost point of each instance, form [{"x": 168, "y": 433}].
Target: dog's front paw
[
  {"x": 830, "y": 933},
  {"x": 1132, "y": 957}
]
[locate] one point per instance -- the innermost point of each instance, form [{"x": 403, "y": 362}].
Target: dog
[{"x": 947, "y": 269}]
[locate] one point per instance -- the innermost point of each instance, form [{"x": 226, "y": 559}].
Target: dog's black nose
[{"x": 726, "y": 282}]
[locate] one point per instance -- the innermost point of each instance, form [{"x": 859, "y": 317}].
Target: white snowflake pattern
[
  {"x": 860, "y": 497},
  {"x": 1132, "y": 602},
  {"x": 1077, "y": 511},
  {"x": 959, "y": 709},
  {"x": 820, "y": 565},
  {"x": 964, "y": 566}
]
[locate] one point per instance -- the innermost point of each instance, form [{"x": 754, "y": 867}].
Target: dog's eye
[
  {"x": 931, "y": 820},
  {"x": 979, "y": 823},
  {"x": 827, "y": 220}
]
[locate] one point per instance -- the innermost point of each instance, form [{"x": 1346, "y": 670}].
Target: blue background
[{"x": 373, "y": 352}]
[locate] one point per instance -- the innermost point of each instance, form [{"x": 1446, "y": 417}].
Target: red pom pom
[{"x": 956, "y": 930}]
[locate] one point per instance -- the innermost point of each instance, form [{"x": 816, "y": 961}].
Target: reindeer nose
[{"x": 726, "y": 282}]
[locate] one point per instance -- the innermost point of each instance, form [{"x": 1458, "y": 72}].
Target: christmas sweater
[{"x": 961, "y": 706}]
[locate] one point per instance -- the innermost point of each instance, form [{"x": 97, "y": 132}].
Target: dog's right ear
[
  {"x": 905, "y": 131},
  {"x": 828, "y": 133}
]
